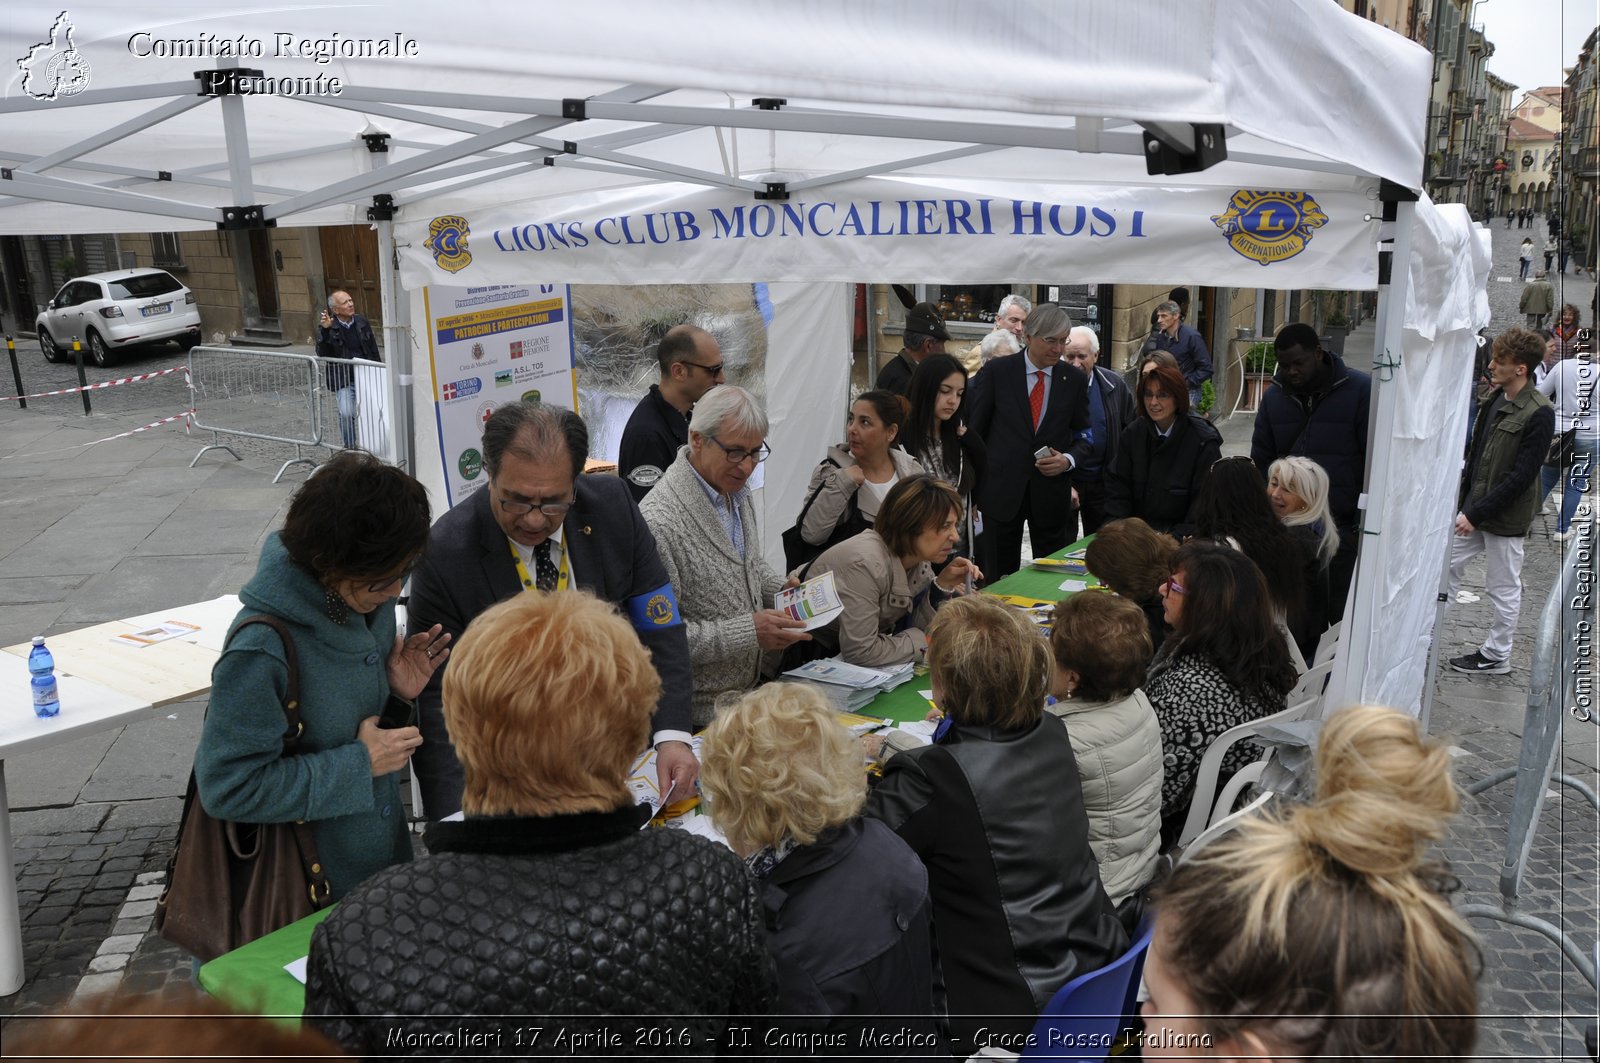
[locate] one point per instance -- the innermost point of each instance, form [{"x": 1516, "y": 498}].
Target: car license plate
[{"x": 159, "y": 308}]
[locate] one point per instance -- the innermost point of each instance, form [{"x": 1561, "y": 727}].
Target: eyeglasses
[
  {"x": 1157, "y": 396},
  {"x": 549, "y": 509},
  {"x": 1173, "y": 586},
  {"x": 379, "y": 586},
  {"x": 710, "y": 370},
  {"x": 739, "y": 455}
]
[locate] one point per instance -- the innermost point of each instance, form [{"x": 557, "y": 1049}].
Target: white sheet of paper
[
  {"x": 922, "y": 730},
  {"x": 816, "y": 602},
  {"x": 1073, "y": 586},
  {"x": 298, "y": 969},
  {"x": 167, "y": 629}
]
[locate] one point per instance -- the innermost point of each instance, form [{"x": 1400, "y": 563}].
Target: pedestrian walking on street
[
  {"x": 1510, "y": 215},
  {"x": 1525, "y": 257},
  {"x": 1500, "y": 490},
  {"x": 1549, "y": 250},
  {"x": 1538, "y": 298}
]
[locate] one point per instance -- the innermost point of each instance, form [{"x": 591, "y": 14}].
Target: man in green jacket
[{"x": 1500, "y": 489}]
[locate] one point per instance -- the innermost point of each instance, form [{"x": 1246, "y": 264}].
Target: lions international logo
[
  {"x": 447, "y": 239},
  {"x": 659, "y": 610},
  {"x": 54, "y": 68},
  {"x": 1268, "y": 227}
]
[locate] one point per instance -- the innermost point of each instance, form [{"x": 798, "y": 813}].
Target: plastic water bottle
[{"x": 42, "y": 663}]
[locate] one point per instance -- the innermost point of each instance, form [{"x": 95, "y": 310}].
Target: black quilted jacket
[{"x": 562, "y": 935}]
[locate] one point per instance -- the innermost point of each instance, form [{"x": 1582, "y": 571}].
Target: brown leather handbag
[{"x": 230, "y": 883}]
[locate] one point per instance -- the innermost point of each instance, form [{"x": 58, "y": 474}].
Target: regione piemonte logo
[{"x": 54, "y": 68}]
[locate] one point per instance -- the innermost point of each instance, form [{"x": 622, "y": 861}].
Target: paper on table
[
  {"x": 642, "y": 778},
  {"x": 922, "y": 730},
  {"x": 298, "y": 969},
  {"x": 835, "y": 670},
  {"x": 1073, "y": 586},
  {"x": 167, "y": 629},
  {"x": 816, "y": 602}
]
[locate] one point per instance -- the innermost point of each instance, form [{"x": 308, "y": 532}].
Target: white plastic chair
[{"x": 1302, "y": 702}]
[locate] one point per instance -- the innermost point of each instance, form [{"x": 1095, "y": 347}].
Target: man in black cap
[{"x": 925, "y": 335}]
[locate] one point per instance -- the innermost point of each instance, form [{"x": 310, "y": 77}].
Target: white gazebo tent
[{"x": 1108, "y": 139}]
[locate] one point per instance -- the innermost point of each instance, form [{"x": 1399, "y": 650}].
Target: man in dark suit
[
  {"x": 345, "y": 334},
  {"x": 1032, "y": 412},
  {"x": 1110, "y": 411},
  {"x": 540, "y": 524}
]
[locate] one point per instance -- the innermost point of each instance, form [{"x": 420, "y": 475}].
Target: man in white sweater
[{"x": 705, "y": 530}]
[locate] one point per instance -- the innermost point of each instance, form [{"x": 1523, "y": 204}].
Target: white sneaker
[
  {"x": 1561, "y": 537},
  {"x": 1549, "y": 504}
]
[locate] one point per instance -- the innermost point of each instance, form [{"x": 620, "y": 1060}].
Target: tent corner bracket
[
  {"x": 377, "y": 143},
  {"x": 574, "y": 110},
  {"x": 382, "y": 208},
  {"x": 226, "y": 82},
  {"x": 1177, "y": 149},
  {"x": 254, "y": 216},
  {"x": 769, "y": 103},
  {"x": 774, "y": 190}
]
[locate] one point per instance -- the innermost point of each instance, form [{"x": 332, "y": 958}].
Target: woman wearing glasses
[
  {"x": 352, "y": 535},
  {"x": 1162, "y": 457},
  {"x": 1225, "y": 663},
  {"x": 704, "y": 524}
]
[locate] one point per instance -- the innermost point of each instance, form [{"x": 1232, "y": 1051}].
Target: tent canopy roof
[{"x": 946, "y": 91}]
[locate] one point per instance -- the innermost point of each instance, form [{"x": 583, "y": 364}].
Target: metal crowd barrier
[
  {"x": 355, "y": 419},
  {"x": 1560, "y": 695},
  {"x": 287, "y": 398}
]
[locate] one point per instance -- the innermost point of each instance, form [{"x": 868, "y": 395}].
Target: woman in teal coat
[{"x": 353, "y": 532}]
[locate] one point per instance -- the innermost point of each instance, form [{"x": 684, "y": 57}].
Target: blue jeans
[
  {"x": 1577, "y": 478},
  {"x": 349, "y": 415}
]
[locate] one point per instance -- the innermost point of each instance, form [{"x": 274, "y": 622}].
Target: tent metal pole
[
  {"x": 397, "y": 352},
  {"x": 1366, "y": 604},
  {"x": 170, "y": 109},
  {"x": 56, "y": 190},
  {"x": 90, "y": 97},
  {"x": 237, "y": 138},
  {"x": 891, "y": 166}
]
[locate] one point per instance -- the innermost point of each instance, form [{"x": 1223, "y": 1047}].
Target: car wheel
[
  {"x": 99, "y": 353},
  {"x": 188, "y": 343},
  {"x": 52, "y": 353}
]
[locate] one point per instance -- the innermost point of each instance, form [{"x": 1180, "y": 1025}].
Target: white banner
[
  {"x": 672, "y": 233},
  {"x": 486, "y": 347}
]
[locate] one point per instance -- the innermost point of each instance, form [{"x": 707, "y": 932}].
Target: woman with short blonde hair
[
  {"x": 995, "y": 810},
  {"x": 548, "y": 706},
  {"x": 784, "y": 782}
]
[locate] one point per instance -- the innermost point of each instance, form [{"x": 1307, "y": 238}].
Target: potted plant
[
  {"x": 1336, "y": 323},
  {"x": 1260, "y": 362}
]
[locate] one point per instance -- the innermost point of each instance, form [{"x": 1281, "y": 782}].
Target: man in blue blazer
[
  {"x": 1032, "y": 411},
  {"x": 540, "y": 524}
]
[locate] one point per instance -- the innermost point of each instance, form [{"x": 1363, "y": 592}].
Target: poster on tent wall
[{"x": 490, "y": 346}]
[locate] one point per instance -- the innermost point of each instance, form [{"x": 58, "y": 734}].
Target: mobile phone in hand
[
  {"x": 397, "y": 712},
  {"x": 1041, "y": 453}
]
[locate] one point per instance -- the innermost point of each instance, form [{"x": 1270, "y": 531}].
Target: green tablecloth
[{"x": 251, "y": 979}]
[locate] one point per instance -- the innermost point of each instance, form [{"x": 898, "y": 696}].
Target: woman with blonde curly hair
[
  {"x": 1323, "y": 934},
  {"x": 784, "y": 782}
]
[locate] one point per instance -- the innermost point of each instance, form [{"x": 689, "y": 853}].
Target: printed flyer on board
[{"x": 490, "y": 346}]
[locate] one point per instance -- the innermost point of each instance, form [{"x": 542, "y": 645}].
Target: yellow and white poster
[{"x": 489, "y": 346}]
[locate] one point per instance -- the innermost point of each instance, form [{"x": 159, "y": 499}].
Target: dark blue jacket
[
  {"x": 337, "y": 341},
  {"x": 862, "y": 965},
  {"x": 1329, "y": 427},
  {"x": 1194, "y": 361}
]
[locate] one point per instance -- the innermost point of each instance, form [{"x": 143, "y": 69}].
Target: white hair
[
  {"x": 727, "y": 407},
  {"x": 999, "y": 342},
  {"x": 1017, "y": 301},
  {"x": 1310, "y": 481},
  {"x": 1085, "y": 332}
]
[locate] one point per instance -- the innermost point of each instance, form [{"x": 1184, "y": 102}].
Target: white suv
[{"x": 124, "y": 308}]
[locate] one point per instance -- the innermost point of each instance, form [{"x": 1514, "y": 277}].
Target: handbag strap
[
  {"x": 293, "y": 726},
  {"x": 801, "y": 519}
]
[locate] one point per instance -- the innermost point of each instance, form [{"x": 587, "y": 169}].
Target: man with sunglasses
[
  {"x": 691, "y": 365},
  {"x": 541, "y": 525},
  {"x": 705, "y": 527}
]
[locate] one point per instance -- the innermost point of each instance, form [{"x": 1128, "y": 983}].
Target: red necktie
[{"x": 1036, "y": 397}]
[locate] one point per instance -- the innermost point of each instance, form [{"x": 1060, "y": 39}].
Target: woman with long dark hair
[
  {"x": 1225, "y": 663},
  {"x": 852, "y": 481},
  {"x": 936, "y": 433},
  {"x": 1234, "y": 509}
]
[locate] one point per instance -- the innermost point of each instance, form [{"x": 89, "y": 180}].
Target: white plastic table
[{"x": 86, "y": 707}]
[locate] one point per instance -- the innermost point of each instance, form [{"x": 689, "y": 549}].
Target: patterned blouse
[{"x": 1195, "y": 703}]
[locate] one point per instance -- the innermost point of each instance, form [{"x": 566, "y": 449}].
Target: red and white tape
[
  {"x": 97, "y": 387},
  {"x": 184, "y": 417}
]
